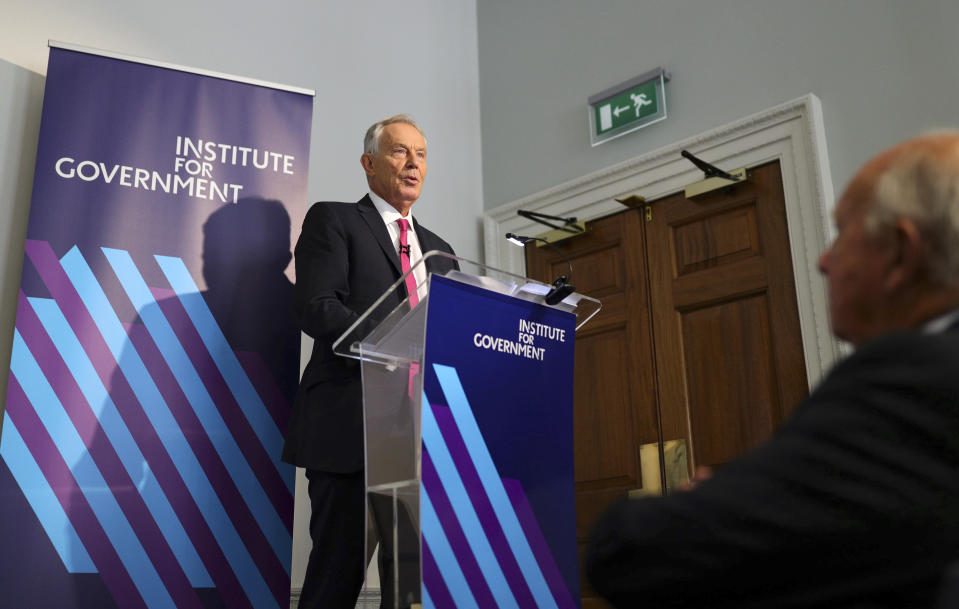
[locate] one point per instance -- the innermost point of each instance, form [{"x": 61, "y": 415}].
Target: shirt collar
[
  {"x": 387, "y": 211},
  {"x": 939, "y": 324}
]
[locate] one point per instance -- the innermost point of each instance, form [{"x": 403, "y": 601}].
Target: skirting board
[{"x": 369, "y": 598}]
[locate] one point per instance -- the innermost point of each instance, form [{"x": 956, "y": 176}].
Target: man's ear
[
  {"x": 366, "y": 160},
  {"x": 906, "y": 264}
]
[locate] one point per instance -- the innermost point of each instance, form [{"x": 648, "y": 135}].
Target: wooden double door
[{"x": 698, "y": 339}]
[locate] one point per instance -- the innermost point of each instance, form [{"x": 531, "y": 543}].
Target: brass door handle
[{"x": 675, "y": 465}]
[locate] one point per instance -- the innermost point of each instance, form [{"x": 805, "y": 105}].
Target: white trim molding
[{"x": 791, "y": 133}]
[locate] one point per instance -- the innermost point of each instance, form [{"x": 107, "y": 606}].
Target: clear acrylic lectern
[{"x": 463, "y": 510}]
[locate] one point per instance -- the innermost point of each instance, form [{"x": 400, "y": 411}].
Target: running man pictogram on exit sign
[{"x": 628, "y": 106}]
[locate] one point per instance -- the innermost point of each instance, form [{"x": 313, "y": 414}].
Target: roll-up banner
[{"x": 155, "y": 354}]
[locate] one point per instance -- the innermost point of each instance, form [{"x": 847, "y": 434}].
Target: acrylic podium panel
[{"x": 469, "y": 463}]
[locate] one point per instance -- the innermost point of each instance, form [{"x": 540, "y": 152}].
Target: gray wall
[
  {"x": 884, "y": 70},
  {"x": 366, "y": 60},
  {"x": 21, "y": 92}
]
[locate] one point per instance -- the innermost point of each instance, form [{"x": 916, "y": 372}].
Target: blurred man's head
[
  {"x": 895, "y": 261},
  {"x": 394, "y": 159}
]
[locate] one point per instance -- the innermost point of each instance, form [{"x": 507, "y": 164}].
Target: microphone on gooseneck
[{"x": 561, "y": 286}]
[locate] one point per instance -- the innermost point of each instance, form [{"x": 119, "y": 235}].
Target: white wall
[
  {"x": 883, "y": 69},
  {"x": 366, "y": 60}
]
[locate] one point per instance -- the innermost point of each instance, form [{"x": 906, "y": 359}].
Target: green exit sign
[{"x": 628, "y": 106}]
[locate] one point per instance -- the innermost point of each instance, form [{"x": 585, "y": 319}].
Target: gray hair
[
  {"x": 371, "y": 142},
  {"x": 923, "y": 185}
]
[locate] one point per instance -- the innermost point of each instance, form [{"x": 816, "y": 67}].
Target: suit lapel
[
  {"x": 382, "y": 236},
  {"x": 433, "y": 263}
]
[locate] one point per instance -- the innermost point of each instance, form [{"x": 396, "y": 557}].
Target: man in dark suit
[
  {"x": 854, "y": 502},
  {"x": 346, "y": 257}
]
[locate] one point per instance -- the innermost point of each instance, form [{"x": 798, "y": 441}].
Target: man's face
[
  {"x": 398, "y": 169},
  {"x": 855, "y": 267}
]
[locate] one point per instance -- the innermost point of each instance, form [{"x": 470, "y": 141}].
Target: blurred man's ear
[
  {"x": 366, "y": 160},
  {"x": 906, "y": 264}
]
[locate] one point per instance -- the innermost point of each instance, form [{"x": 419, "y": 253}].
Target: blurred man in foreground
[{"x": 854, "y": 502}]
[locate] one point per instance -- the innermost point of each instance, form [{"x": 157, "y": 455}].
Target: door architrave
[{"x": 791, "y": 133}]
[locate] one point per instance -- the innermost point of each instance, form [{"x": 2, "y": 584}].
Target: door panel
[
  {"x": 607, "y": 431},
  {"x": 731, "y": 399},
  {"x": 726, "y": 325},
  {"x": 698, "y": 338},
  {"x": 614, "y": 386}
]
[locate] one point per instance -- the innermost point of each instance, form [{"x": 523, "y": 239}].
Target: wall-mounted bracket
[
  {"x": 715, "y": 183},
  {"x": 557, "y": 235}
]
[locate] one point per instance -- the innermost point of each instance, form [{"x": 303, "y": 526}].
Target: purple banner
[
  {"x": 155, "y": 355},
  {"x": 497, "y": 502}
]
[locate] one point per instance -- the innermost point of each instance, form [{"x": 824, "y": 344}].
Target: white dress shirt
[{"x": 390, "y": 216}]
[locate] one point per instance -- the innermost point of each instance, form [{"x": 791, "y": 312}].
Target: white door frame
[{"x": 791, "y": 133}]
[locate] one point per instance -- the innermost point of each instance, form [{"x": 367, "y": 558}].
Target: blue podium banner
[
  {"x": 155, "y": 355},
  {"x": 497, "y": 504}
]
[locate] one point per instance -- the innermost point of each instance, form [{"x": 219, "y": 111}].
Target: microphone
[
  {"x": 561, "y": 286},
  {"x": 405, "y": 249}
]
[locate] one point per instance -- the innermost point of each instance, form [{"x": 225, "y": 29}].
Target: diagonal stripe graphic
[
  {"x": 464, "y": 512},
  {"x": 43, "y": 501},
  {"x": 432, "y": 586},
  {"x": 483, "y": 462},
  {"x": 454, "y": 534},
  {"x": 72, "y": 500},
  {"x": 484, "y": 509},
  {"x": 102, "y": 410},
  {"x": 159, "y": 462},
  {"x": 266, "y": 386},
  {"x": 524, "y": 511},
  {"x": 445, "y": 558},
  {"x": 268, "y": 519},
  {"x": 229, "y": 496},
  {"x": 253, "y": 407},
  {"x": 104, "y": 338},
  {"x": 90, "y": 480},
  {"x": 256, "y": 454},
  {"x": 136, "y": 420}
]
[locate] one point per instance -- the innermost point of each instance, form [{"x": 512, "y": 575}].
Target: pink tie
[
  {"x": 411, "y": 290},
  {"x": 405, "y": 262}
]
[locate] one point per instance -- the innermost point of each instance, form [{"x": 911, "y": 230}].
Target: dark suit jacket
[
  {"x": 344, "y": 261},
  {"x": 854, "y": 502}
]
